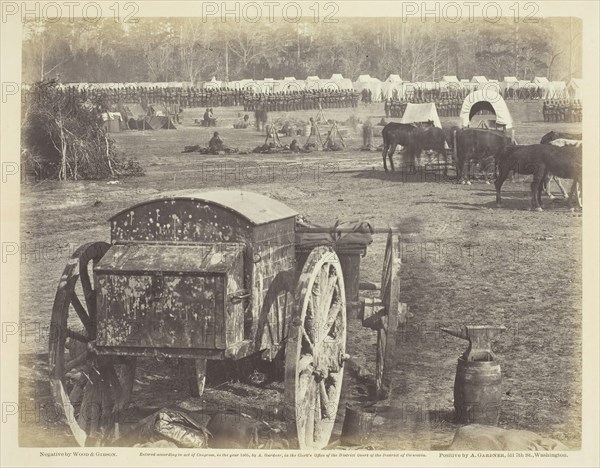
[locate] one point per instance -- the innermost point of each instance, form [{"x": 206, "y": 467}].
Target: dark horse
[
  {"x": 551, "y": 136},
  {"x": 548, "y": 138},
  {"x": 413, "y": 139},
  {"x": 476, "y": 144},
  {"x": 539, "y": 160}
]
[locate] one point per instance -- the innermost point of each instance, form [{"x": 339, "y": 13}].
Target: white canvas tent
[
  {"x": 485, "y": 99},
  {"x": 449, "y": 79},
  {"x": 342, "y": 83},
  {"x": 416, "y": 113},
  {"x": 337, "y": 76},
  {"x": 391, "y": 88},
  {"x": 509, "y": 82},
  {"x": 575, "y": 88},
  {"x": 370, "y": 83},
  {"x": 490, "y": 85},
  {"x": 393, "y": 78},
  {"x": 556, "y": 90},
  {"x": 479, "y": 79},
  {"x": 212, "y": 84}
]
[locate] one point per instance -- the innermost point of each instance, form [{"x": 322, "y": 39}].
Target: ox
[
  {"x": 412, "y": 139},
  {"x": 539, "y": 160},
  {"x": 559, "y": 139},
  {"x": 475, "y": 144}
]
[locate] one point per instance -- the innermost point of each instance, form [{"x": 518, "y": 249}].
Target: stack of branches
[{"x": 63, "y": 137}]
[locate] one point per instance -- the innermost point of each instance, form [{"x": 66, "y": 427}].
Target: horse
[
  {"x": 413, "y": 139},
  {"x": 475, "y": 144},
  {"x": 539, "y": 160},
  {"x": 559, "y": 139}
]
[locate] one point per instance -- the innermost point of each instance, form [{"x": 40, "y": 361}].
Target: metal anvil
[{"x": 479, "y": 338}]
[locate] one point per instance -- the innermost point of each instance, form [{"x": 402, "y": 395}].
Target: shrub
[{"x": 63, "y": 136}]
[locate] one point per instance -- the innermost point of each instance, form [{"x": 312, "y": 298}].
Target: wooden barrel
[
  {"x": 478, "y": 391},
  {"x": 357, "y": 426}
]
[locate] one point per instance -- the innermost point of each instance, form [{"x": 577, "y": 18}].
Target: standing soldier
[{"x": 545, "y": 111}]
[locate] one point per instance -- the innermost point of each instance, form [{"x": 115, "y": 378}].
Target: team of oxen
[{"x": 558, "y": 155}]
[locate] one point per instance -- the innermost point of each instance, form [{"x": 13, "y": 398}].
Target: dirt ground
[{"x": 464, "y": 262}]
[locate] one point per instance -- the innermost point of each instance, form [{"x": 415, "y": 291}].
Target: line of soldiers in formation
[
  {"x": 301, "y": 100},
  {"x": 562, "y": 110},
  {"x": 194, "y": 97},
  {"x": 446, "y": 107}
]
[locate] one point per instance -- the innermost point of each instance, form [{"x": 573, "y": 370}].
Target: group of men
[
  {"x": 301, "y": 100},
  {"x": 562, "y": 110},
  {"x": 446, "y": 106}
]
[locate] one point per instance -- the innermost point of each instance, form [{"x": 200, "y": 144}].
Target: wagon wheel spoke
[
  {"x": 333, "y": 315},
  {"x": 76, "y": 336},
  {"x": 386, "y": 338},
  {"x": 310, "y": 417},
  {"x": 76, "y": 394},
  {"x": 82, "y": 314},
  {"x": 278, "y": 320},
  {"x": 76, "y": 362},
  {"x": 307, "y": 339},
  {"x": 86, "y": 285}
]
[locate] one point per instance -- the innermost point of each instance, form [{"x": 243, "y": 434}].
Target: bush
[{"x": 63, "y": 137}]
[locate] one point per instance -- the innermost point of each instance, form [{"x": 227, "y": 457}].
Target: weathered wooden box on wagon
[{"x": 188, "y": 276}]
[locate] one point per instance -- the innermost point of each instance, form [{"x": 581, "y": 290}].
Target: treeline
[{"x": 188, "y": 49}]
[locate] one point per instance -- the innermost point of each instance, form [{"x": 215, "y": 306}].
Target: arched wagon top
[
  {"x": 489, "y": 99},
  {"x": 216, "y": 216}
]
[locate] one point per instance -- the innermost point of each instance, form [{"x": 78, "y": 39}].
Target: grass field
[{"x": 464, "y": 262}]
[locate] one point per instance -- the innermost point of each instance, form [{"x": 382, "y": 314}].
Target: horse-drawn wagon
[{"x": 214, "y": 275}]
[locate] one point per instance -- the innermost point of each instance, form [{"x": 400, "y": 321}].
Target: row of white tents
[
  {"x": 546, "y": 89},
  {"x": 392, "y": 86}
]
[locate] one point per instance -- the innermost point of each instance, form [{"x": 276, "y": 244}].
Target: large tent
[
  {"x": 485, "y": 99},
  {"x": 393, "y": 78},
  {"x": 450, "y": 79},
  {"x": 555, "y": 90},
  {"x": 509, "y": 82},
  {"x": 420, "y": 113},
  {"x": 370, "y": 83},
  {"x": 212, "y": 84},
  {"x": 392, "y": 89},
  {"x": 575, "y": 88}
]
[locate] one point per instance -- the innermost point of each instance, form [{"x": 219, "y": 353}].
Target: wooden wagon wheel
[
  {"x": 275, "y": 317},
  {"x": 315, "y": 350},
  {"x": 89, "y": 388},
  {"x": 386, "y": 334}
]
